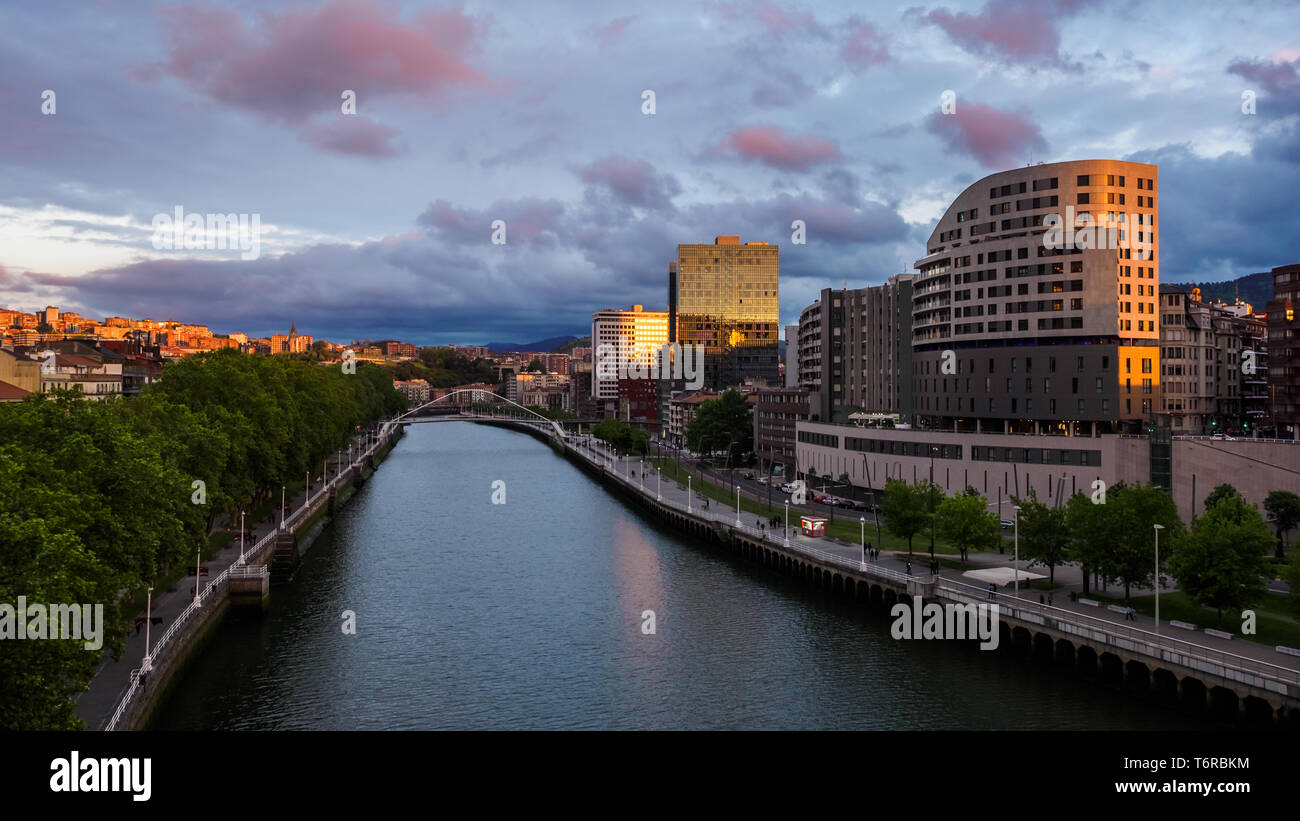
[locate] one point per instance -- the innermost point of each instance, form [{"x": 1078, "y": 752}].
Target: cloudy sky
[{"x": 379, "y": 223}]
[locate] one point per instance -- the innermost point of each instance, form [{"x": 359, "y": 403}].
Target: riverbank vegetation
[{"x": 100, "y": 499}]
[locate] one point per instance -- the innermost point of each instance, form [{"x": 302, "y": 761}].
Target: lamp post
[
  {"x": 198, "y": 562},
  {"x": 642, "y": 474},
  {"x": 242, "y": 542},
  {"x": 688, "y": 493},
  {"x": 787, "y": 522},
  {"x": 1158, "y": 528},
  {"x": 145, "y": 665},
  {"x": 282, "y": 507},
  {"x": 863, "y": 522},
  {"x": 1016, "y": 562},
  {"x": 737, "y": 505},
  {"x": 930, "y": 492},
  {"x": 659, "y": 497}
]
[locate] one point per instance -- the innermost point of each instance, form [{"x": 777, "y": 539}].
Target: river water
[{"x": 529, "y": 615}]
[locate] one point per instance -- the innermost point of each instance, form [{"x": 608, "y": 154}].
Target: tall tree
[
  {"x": 966, "y": 521},
  {"x": 905, "y": 510},
  {"x": 1093, "y": 531},
  {"x": 1137, "y": 509},
  {"x": 722, "y": 423},
  {"x": 1044, "y": 537},
  {"x": 1220, "y": 562},
  {"x": 1283, "y": 509},
  {"x": 1220, "y": 492}
]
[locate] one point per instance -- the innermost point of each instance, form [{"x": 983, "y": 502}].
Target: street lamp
[
  {"x": 787, "y": 522},
  {"x": 863, "y": 522},
  {"x": 198, "y": 561},
  {"x": 688, "y": 492},
  {"x": 145, "y": 665},
  {"x": 1016, "y": 562},
  {"x": 1158, "y": 528},
  {"x": 242, "y": 542},
  {"x": 737, "y": 505},
  {"x": 642, "y": 474},
  {"x": 282, "y": 507},
  {"x": 930, "y": 492},
  {"x": 659, "y": 497}
]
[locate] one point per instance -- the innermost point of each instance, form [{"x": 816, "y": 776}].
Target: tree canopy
[{"x": 96, "y": 497}]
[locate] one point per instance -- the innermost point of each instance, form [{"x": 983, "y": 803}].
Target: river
[{"x": 529, "y": 615}]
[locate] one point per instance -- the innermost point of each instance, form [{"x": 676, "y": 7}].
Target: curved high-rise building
[{"x": 1036, "y": 305}]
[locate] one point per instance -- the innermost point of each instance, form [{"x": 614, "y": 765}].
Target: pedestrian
[
  {"x": 1041, "y": 600},
  {"x": 909, "y": 567},
  {"x": 991, "y": 590},
  {"x": 1049, "y": 599}
]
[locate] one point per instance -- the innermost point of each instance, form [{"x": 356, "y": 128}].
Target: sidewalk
[
  {"x": 1069, "y": 577},
  {"x": 97, "y": 704}
]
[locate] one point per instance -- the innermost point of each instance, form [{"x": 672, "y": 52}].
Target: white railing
[
  {"x": 1166, "y": 648},
  {"x": 240, "y": 567}
]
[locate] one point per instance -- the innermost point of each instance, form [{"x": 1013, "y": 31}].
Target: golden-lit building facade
[
  {"x": 1036, "y": 307},
  {"x": 725, "y": 297}
]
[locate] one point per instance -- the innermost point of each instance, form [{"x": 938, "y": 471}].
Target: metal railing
[
  {"x": 241, "y": 568},
  {"x": 1268, "y": 676}
]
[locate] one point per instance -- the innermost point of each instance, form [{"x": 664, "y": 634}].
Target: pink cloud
[
  {"x": 609, "y": 33},
  {"x": 294, "y": 65},
  {"x": 775, "y": 19},
  {"x": 298, "y": 62},
  {"x": 864, "y": 45},
  {"x": 770, "y": 145},
  {"x": 998, "y": 139},
  {"x": 354, "y": 135},
  {"x": 1013, "y": 30}
]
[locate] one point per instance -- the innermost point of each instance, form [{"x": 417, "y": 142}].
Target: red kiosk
[{"x": 813, "y": 525}]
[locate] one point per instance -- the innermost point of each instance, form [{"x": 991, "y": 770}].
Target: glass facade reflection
[{"x": 724, "y": 297}]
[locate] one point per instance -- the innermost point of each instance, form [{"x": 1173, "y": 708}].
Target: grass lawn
[
  {"x": 1273, "y": 623},
  {"x": 847, "y": 528}
]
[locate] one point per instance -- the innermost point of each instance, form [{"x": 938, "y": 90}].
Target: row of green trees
[
  {"x": 722, "y": 424},
  {"x": 622, "y": 436},
  {"x": 1220, "y": 561},
  {"x": 97, "y": 497}
]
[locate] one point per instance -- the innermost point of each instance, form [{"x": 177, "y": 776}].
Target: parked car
[
  {"x": 1008, "y": 523},
  {"x": 762, "y": 480},
  {"x": 747, "y": 475},
  {"x": 788, "y": 487}
]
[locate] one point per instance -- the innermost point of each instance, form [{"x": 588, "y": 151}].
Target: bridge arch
[{"x": 559, "y": 430}]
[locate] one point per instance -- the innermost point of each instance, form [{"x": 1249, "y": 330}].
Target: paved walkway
[
  {"x": 97, "y": 704},
  {"x": 1069, "y": 577}
]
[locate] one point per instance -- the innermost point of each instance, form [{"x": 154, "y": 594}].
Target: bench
[
  {"x": 1115, "y": 608},
  {"x": 1290, "y": 651},
  {"x": 1184, "y": 625},
  {"x": 1090, "y": 602},
  {"x": 1218, "y": 634}
]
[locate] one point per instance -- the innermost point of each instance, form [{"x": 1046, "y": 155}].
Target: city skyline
[{"x": 837, "y": 122}]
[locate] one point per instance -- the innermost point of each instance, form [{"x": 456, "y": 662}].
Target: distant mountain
[
  {"x": 1257, "y": 289},
  {"x": 567, "y": 347},
  {"x": 541, "y": 346}
]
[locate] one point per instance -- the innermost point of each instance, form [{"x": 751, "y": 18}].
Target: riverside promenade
[
  {"x": 117, "y": 683},
  {"x": 1188, "y": 664}
]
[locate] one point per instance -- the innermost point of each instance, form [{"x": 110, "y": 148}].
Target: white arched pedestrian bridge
[{"x": 520, "y": 412}]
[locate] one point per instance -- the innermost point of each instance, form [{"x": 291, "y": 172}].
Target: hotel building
[{"x": 1036, "y": 305}]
